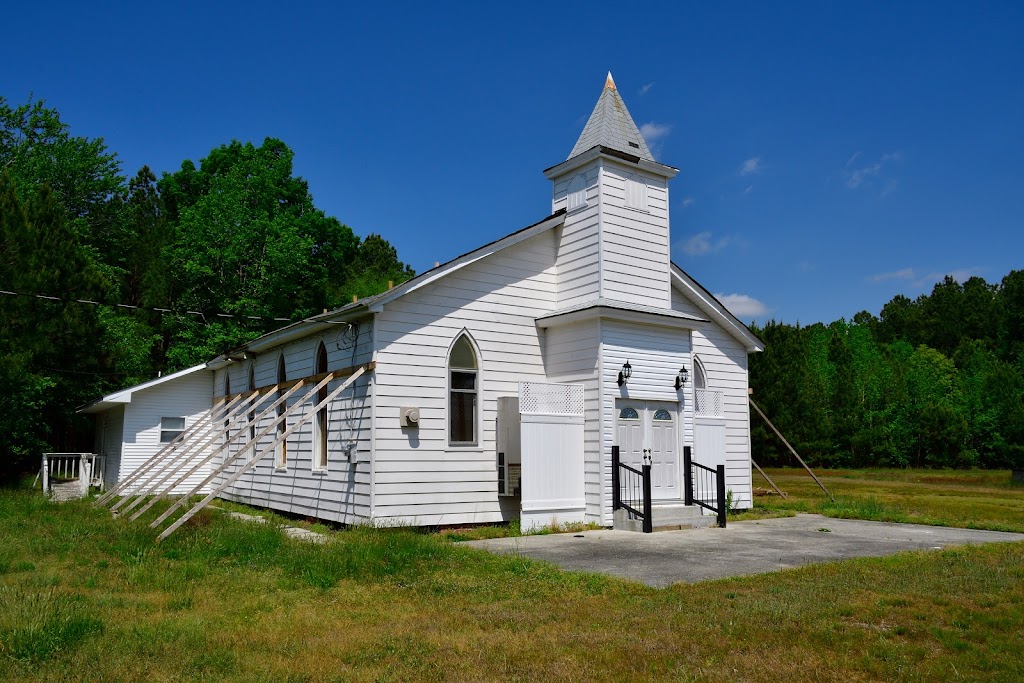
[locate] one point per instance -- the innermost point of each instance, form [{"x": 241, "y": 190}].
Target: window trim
[
  {"x": 477, "y": 444},
  {"x": 281, "y": 450},
  {"x": 321, "y": 421},
  {"x": 175, "y": 432},
  {"x": 251, "y": 416}
]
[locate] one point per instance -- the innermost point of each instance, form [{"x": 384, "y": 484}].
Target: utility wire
[{"x": 155, "y": 309}]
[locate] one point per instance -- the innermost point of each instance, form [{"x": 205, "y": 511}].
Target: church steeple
[{"x": 610, "y": 125}]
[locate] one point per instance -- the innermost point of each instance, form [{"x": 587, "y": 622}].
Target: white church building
[{"x": 501, "y": 384}]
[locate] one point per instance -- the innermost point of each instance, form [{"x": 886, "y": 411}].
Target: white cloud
[
  {"x": 917, "y": 279},
  {"x": 751, "y": 166},
  {"x": 654, "y": 135},
  {"x": 688, "y": 202},
  {"x": 807, "y": 266},
  {"x": 703, "y": 243},
  {"x": 653, "y": 132},
  {"x": 742, "y": 305},
  {"x": 902, "y": 274},
  {"x": 749, "y": 189},
  {"x": 644, "y": 89},
  {"x": 872, "y": 175}
]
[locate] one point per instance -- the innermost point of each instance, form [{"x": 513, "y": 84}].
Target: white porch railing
[
  {"x": 708, "y": 403},
  {"x": 88, "y": 469}
]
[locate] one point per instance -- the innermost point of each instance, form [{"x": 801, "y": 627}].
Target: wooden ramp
[{"x": 226, "y": 424}]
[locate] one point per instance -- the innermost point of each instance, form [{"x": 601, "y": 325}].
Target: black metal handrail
[
  {"x": 631, "y": 490},
  {"x": 705, "y": 486}
]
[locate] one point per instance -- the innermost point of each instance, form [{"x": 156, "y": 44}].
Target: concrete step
[
  {"x": 665, "y": 518},
  {"x": 61, "y": 492}
]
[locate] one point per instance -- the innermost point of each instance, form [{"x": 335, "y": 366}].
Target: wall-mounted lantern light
[
  {"x": 681, "y": 378},
  {"x": 625, "y": 373}
]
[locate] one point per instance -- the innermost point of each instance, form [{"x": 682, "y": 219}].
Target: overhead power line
[{"x": 156, "y": 309}]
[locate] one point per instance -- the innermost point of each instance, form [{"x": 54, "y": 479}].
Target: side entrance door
[{"x": 651, "y": 427}]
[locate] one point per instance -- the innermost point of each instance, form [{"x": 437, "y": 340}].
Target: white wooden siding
[
  {"x": 656, "y": 354},
  {"x": 571, "y": 355},
  {"x": 725, "y": 363},
  {"x": 342, "y": 492},
  {"x": 420, "y": 480},
  {"x": 187, "y": 396},
  {"x": 634, "y": 244},
  {"x": 578, "y": 258}
]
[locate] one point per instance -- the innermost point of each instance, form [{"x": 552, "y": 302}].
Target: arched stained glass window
[
  {"x": 629, "y": 413},
  {"x": 663, "y": 415},
  {"x": 462, "y": 393}
]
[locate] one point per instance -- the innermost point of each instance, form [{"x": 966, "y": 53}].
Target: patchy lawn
[{"x": 84, "y": 597}]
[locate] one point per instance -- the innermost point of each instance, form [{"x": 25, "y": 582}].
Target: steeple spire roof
[{"x": 610, "y": 125}]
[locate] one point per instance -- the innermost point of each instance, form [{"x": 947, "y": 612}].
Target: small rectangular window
[{"x": 170, "y": 428}]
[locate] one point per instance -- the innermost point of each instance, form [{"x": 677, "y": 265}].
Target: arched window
[
  {"x": 320, "y": 421},
  {"x": 662, "y": 415},
  {"x": 700, "y": 380},
  {"x": 252, "y": 413},
  {"x": 577, "y": 193},
  {"x": 629, "y": 413},
  {"x": 227, "y": 397},
  {"x": 281, "y": 452},
  {"x": 463, "y": 387}
]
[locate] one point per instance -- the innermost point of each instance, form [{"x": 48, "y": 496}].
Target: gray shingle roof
[{"x": 611, "y": 125}]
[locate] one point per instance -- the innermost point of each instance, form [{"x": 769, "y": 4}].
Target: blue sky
[{"x": 831, "y": 155}]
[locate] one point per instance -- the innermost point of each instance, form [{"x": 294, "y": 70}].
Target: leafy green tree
[
  {"x": 47, "y": 346},
  {"x": 37, "y": 148},
  {"x": 248, "y": 241}
]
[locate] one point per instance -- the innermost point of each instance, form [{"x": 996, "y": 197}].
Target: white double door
[{"x": 651, "y": 428}]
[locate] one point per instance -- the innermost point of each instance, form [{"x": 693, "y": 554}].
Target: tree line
[
  {"x": 237, "y": 234},
  {"x": 937, "y": 381}
]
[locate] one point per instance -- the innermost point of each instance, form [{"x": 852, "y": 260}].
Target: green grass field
[{"x": 84, "y": 597}]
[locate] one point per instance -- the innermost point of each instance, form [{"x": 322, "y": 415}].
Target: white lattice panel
[
  {"x": 708, "y": 403},
  {"x": 540, "y": 398}
]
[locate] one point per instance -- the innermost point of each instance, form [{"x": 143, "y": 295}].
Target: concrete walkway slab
[{"x": 743, "y": 548}]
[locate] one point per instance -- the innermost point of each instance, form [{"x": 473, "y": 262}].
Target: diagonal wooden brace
[
  {"x": 195, "y": 468},
  {"x": 159, "y": 455},
  {"x": 252, "y": 463},
  {"x": 181, "y": 455},
  {"x": 228, "y": 461},
  {"x": 199, "y": 445}
]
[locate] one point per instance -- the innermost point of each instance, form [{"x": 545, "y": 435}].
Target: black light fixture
[
  {"x": 681, "y": 378},
  {"x": 625, "y": 373}
]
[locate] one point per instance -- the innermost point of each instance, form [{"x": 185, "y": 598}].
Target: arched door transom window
[{"x": 700, "y": 380}]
